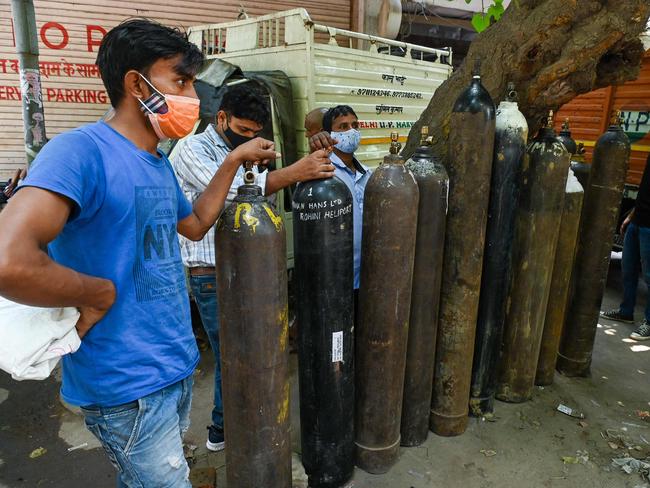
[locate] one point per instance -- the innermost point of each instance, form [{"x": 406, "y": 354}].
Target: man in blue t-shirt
[{"x": 106, "y": 205}]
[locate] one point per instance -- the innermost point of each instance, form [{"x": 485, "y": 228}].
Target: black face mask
[{"x": 234, "y": 138}]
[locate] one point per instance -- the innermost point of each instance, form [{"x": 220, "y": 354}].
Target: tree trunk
[{"x": 553, "y": 50}]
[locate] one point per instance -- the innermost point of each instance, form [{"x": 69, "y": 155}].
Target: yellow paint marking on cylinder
[
  {"x": 243, "y": 211},
  {"x": 283, "y": 319},
  {"x": 276, "y": 219},
  {"x": 283, "y": 414}
]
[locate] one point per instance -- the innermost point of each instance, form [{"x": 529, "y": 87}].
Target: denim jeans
[
  {"x": 636, "y": 258},
  {"x": 144, "y": 439},
  {"x": 204, "y": 290}
]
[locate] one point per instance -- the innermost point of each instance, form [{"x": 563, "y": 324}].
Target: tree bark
[{"x": 553, "y": 50}]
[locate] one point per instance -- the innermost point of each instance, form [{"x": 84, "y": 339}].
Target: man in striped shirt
[{"x": 242, "y": 115}]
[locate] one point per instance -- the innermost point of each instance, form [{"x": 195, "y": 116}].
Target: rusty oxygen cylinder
[
  {"x": 387, "y": 253},
  {"x": 433, "y": 184},
  {"x": 509, "y": 151},
  {"x": 469, "y": 164},
  {"x": 597, "y": 227},
  {"x": 565, "y": 138},
  {"x": 537, "y": 227},
  {"x": 561, "y": 281},
  {"x": 580, "y": 168},
  {"x": 253, "y": 335},
  {"x": 324, "y": 278}
]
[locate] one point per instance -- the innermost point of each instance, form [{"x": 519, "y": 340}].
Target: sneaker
[
  {"x": 642, "y": 333},
  {"x": 216, "y": 440},
  {"x": 617, "y": 316}
]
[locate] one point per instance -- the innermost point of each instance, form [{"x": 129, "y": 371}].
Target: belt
[{"x": 202, "y": 271}]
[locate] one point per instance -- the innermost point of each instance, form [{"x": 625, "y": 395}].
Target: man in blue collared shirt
[{"x": 341, "y": 134}]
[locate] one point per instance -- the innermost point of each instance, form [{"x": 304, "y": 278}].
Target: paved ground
[{"x": 524, "y": 447}]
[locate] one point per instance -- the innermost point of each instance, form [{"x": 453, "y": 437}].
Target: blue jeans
[
  {"x": 636, "y": 258},
  {"x": 144, "y": 439},
  {"x": 204, "y": 290}
]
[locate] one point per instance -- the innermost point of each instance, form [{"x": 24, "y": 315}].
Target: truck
[{"x": 388, "y": 83}]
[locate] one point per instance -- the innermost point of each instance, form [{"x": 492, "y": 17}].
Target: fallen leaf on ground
[
  {"x": 37, "y": 452},
  {"x": 581, "y": 457},
  {"x": 488, "y": 452},
  {"x": 489, "y": 417}
]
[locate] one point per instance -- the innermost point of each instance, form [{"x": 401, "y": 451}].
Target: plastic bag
[{"x": 33, "y": 339}]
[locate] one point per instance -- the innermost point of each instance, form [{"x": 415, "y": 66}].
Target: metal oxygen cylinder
[
  {"x": 433, "y": 185},
  {"x": 561, "y": 281},
  {"x": 509, "y": 152},
  {"x": 324, "y": 279},
  {"x": 387, "y": 253},
  {"x": 537, "y": 227},
  {"x": 469, "y": 164},
  {"x": 253, "y": 334},
  {"x": 597, "y": 227},
  {"x": 565, "y": 138}
]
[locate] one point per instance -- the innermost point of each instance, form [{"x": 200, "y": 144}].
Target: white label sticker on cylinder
[{"x": 337, "y": 346}]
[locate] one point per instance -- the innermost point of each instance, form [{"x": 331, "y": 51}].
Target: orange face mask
[{"x": 171, "y": 116}]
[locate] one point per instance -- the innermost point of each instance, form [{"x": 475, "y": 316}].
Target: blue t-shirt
[{"x": 123, "y": 228}]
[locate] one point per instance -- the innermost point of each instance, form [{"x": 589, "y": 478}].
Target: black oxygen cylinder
[
  {"x": 433, "y": 185},
  {"x": 597, "y": 227},
  {"x": 253, "y": 315},
  {"x": 509, "y": 151},
  {"x": 469, "y": 164},
  {"x": 565, "y": 138},
  {"x": 324, "y": 278},
  {"x": 387, "y": 253},
  {"x": 537, "y": 227}
]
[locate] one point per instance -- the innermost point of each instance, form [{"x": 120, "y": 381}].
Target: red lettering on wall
[
  {"x": 10, "y": 93},
  {"x": 90, "y": 40},
  {"x": 54, "y": 25},
  {"x": 75, "y": 95}
]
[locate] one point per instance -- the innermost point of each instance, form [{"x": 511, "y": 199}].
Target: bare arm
[
  {"x": 627, "y": 221},
  {"x": 312, "y": 167},
  {"x": 19, "y": 174},
  {"x": 209, "y": 205},
  {"x": 31, "y": 220}
]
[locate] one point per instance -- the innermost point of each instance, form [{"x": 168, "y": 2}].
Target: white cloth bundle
[{"x": 33, "y": 339}]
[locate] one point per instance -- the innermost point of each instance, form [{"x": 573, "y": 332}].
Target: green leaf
[
  {"x": 495, "y": 12},
  {"x": 480, "y": 22}
]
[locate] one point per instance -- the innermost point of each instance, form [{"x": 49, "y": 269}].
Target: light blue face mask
[{"x": 348, "y": 140}]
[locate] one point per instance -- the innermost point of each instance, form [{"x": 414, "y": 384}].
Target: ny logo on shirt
[{"x": 157, "y": 271}]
